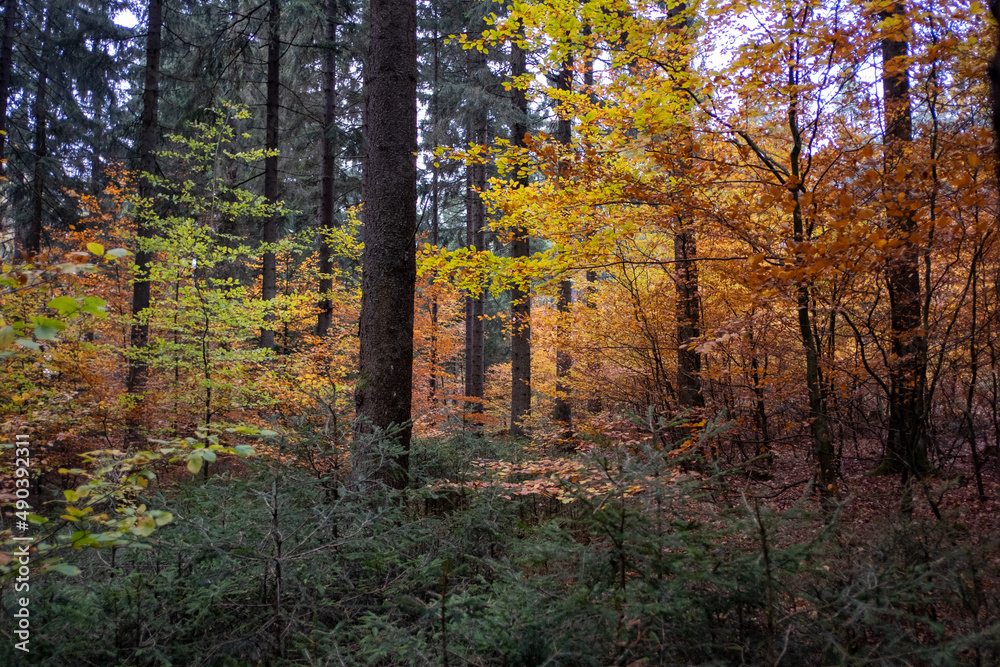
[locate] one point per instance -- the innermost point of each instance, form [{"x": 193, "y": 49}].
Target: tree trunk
[
  {"x": 688, "y": 317},
  {"x": 383, "y": 390},
  {"x": 327, "y": 175},
  {"x": 6, "y": 67},
  {"x": 688, "y": 303},
  {"x": 269, "y": 279},
  {"x": 32, "y": 241},
  {"x": 818, "y": 418},
  {"x": 594, "y": 404},
  {"x": 562, "y": 412},
  {"x": 907, "y": 450},
  {"x": 138, "y": 369},
  {"x": 475, "y": 221},
  {"x": 435, "y": 207},
  {"x": 520, "y": 296},
  {"x": 994, "y": 75}
]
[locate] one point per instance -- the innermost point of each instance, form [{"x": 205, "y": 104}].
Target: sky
[{"x": 126, "y": 19}]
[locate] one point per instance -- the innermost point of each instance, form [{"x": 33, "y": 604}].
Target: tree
[
  {"x": 327, "y": 222},
  {"x": 520, "y": 249},
  {"x": 475, "y": 225},
  {"x": 32, "y": 240},
  {"x": 562, "y": 411},
  {"x": 269, "y": 278},
  {"x": 383, "y": 390},
  {"x": 6, "y": 67},
  {"x": 906, "y": 452},
  {"x": 148, "y": 130}
]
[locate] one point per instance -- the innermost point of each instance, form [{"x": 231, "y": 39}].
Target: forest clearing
[{"x": 439, "y": 332}]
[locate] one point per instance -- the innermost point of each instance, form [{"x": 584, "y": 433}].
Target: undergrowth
[{"x": 279, "y": 566}]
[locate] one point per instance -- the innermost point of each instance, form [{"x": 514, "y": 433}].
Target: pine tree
[{"x": 383, "y": 389}]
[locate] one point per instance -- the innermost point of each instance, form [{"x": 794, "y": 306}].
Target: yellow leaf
[{"x": 96, "y": 248}]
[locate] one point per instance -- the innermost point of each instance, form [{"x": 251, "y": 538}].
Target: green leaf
[
  {"x": 96, "y": 248},
  {"x": 70, "y": 495},
  {"x": 243, "y": 450},
  {"x": 208, "y": 455},
  {"x": 47, "y": 328},
  {"x": 43, "y": 332},
  {"x": 268, "y": 434},
  {"x": 30, "y": 344},
  {"x": 65, "y": 568},
  {"x": 65, "y": 305},
  {"x": 145, "y": 526},
  {"x": 117, "y": 252},
  {"x": 6, "y": 337},
  {"x": 94, "y": 306},
  {"x": 194, "y": 464}
]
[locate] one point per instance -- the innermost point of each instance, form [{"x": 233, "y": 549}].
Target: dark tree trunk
[
  {"x": 435, "y": 210},
  {"x": 562, "y": 411},
  {"x": 688, "y": 303},
  {"x": 32, "y": 241},
  {"x": 269, "y": 279},
  {"x": 475, "y": 358},
  {"x": 520, "y": 296},
  {"x": 593, "y": 366},
  {"x": 383, "y": 390},
  {"x": 994, "y": 75},
  {"x": 148, "y": 125},
  {"x": 475, "y": 222},
  {"x": 327, "y": 175},
  {"x": 6, "y": 67},
  {"x": 819, "y": 421},
  {"x": 688, "y": 317},
  {"x": 906, "y": 453}
]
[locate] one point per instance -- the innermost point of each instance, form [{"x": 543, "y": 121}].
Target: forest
[{"x": 522, "y": 333}]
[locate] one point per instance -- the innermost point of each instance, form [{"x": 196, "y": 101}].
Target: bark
[
  {"x": 6, "y": 67},
  {"x": 475, "y": 221},
  {"x": 269, "y": 279},
  {"x": 32, "y": 241},
  {"x": 823, "y": 452},
  {"x": 562, "y": 411},
  {"x": 688, "y": 298},
  {"x": 994, "y": 76},
  {"x": 327, "y": 174},
  {"x": 520, "y": 296},
  {"x": 906, "y": 452},
  {"x": 435, "y": 208},
  {"x": 594, "y": 404},
  {"x": 688, "y": 317},
  {"x": 383, "y": 390},
  {"x": 148, "y": 126}
]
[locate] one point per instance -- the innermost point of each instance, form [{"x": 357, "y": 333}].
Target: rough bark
[
  {"x": 327, "y": 174},
  {"x": 562, "y": 411},
  {"x": 994, "y": 76},
  {"x": 688, "y": 316},
  {"x": 688, "y": 297},
  {"x": 148, "y": 126},
  {"x": 594, "y": 403},
  {"x": 435, "y": 208},
  {"x": 269, "y": 279},
  {"x": 475, "y": 222},
  {"x": 520, "y": 296},
  {"x": 31, "y": 243},
  {"x": 383, "y": 390},
  {"x": 906, "y": 452},
  {"x": 6, "y": 67}
]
